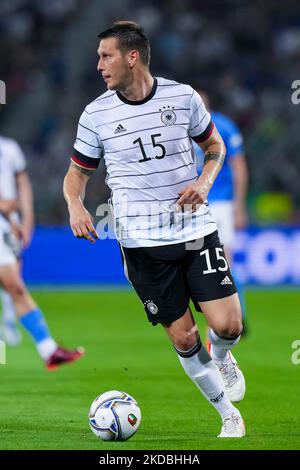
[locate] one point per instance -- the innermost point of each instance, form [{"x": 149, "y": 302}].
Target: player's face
[{"x": 113, "y": 65}]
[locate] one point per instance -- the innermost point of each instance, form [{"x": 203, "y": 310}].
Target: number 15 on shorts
[{"x": 223, "y": 265}]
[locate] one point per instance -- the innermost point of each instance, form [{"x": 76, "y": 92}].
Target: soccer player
[
  {"x": 29, "y": 314},
  {"x": 17, "y": 187},
  {"x": 143, "y": 127},
  {"x": 228, "y": 195}
]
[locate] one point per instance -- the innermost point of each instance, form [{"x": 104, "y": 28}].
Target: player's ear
[{"x": 132, "y": 57}]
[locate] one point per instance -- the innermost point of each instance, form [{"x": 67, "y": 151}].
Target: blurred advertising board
[{"x": 262, "y": 256}]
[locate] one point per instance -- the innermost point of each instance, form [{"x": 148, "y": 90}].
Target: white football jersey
[
  {"x": 149, "y": 159},
  {"x": 12, "y": 161}
]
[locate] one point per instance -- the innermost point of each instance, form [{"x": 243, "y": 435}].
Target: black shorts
[{"x": 167, "y": 277}]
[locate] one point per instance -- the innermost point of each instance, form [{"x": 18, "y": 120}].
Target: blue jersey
[{"x": 223, "y": 188}]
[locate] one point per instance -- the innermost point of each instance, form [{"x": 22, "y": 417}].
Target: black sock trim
[{"x": 191, "y": 352}]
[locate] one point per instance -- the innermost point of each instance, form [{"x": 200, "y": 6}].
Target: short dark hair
[{"x": 130, "y": 36}]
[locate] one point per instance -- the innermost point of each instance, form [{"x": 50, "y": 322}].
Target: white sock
[
  {"x": 8, "y": 309},
  {"x": 204, "y": 373},
  {"x": 220, "y": 346},
  {"x": 46, "y": 348}
]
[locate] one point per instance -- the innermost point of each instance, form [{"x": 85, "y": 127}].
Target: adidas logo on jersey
[
  {"x": 226, "y": 281},
  {"x": 120, "y": 129}
]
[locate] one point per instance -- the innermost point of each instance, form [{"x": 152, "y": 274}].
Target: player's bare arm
[
  {"x": 214, "y": 155},
  {"x": 26, "y": 206},
  {"x": 81, "y": 221},
  {"x": 240, "y": 176}
]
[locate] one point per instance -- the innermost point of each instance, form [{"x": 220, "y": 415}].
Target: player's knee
[
  {"x": 14, "y": 287},
  {"x": 231, "y": 330},
  {"x": 183, "y": 340}
]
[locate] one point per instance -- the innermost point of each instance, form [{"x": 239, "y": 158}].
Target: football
[{"x": 114, "y": 416}]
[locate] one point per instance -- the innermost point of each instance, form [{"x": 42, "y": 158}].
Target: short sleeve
[
  {"x": 201, "y": 125},
  {"x": 18, "y": 157},
  {"x": 88, "y": 149}
]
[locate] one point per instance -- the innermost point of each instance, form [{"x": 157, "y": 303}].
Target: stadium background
[{"x": 246, "y": 55}]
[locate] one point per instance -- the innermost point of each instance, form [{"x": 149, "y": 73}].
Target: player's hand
[
  {"x": 26, "y": 234},
  {"x": 193, "y": 195},
  {"x": 81, "y": 222},
  {"x": 16, "y": 229},
  {"x": 7, "y": 206},
  {"x": 240, "y": 216}
]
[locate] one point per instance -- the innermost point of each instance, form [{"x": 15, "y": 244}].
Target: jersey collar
[{"x": 147, "y": 98}]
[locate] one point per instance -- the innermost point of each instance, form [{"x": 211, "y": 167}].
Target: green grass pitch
[{"x": 48, "y": 410}]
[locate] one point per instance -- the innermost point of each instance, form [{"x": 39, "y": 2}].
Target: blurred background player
[
  {"x": 11, "y": 232},
  {"x": 227, "y": 198},
  {"x": 18, "y": 187}
]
